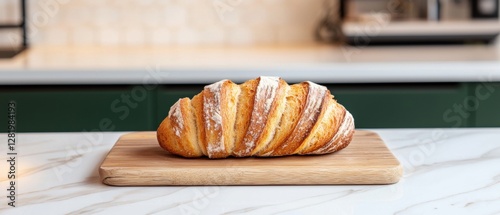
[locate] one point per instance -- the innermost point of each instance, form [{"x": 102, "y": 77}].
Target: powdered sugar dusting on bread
[
  {"x": 269, "y": 86},
  {"x": 212, "y": 107},
  {"x": 312, "y": 108},
  {"x": 308, "y": 117},
  {"x": 213, "y": 148},
  {"x": 265, "y": 95},
  {"x": 213, "y": 117},
  {"x": 344, "y": 130},
  {"x": 347, "y": 130},
  {"x": 175, "y": 115},
  {"x": 314, "y": 99}
]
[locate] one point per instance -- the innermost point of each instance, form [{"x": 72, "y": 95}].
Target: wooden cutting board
[{"x": 137, "y": 160}]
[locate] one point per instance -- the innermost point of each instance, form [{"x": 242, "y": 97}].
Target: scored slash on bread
[{"x": 261, "y": 117}]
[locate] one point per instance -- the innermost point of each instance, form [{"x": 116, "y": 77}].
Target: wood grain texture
[{"x": 137, "y": 160}]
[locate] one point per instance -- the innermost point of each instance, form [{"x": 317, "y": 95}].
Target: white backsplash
[{"x": 166, "y": 22}]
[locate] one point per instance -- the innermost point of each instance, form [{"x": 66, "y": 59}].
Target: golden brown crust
[
  {"x": 325, "y": 128},
  {"x": 308, "y": 118},
  {"x": 275, "y": 115},
  {"x": 243, "y": 118},
  {"x": 189, "y": 140},
  {"x": 163, "y": 133},
  {"x": 229, "y": 112},
  {"x": 197, "y": 107},
  {"x": 295, "y": 102},
  {"x": 265, "y": 113},
  {"x": 180, "y": 121},
  {"x": 219, "y": 111},
  {"x": 166, "y": 135},
  {"x": 261, "y": 117},
  {"x": 341, "y": 138},
  {"x": 212, "y": 119}
]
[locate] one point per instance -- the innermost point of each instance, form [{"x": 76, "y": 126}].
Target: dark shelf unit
[{"x": 11, "y": 52}]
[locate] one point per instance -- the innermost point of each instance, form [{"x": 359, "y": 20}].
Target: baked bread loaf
[{"x": 261, "y": 117}]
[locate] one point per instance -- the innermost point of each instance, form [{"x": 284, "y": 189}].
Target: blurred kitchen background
[
  {"x": 165, "y": 22},
  {"x": 240, "y": 22},
  {"x": 394, "y": 63}
]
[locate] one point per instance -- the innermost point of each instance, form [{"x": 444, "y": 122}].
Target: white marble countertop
[
  {"x": 192, "y": 65},
  {"x": 447, "y": 171}
]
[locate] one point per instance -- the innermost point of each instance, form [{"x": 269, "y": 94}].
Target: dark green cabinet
[
  {"x": 136, "y": 108},
  {"x": 402, "y": 105},
  {"x": 485, "y": 97},
  {"x": 78, "y": 108}
]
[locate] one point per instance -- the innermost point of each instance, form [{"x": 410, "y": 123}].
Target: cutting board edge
[{"x": 384, "y": 175}]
